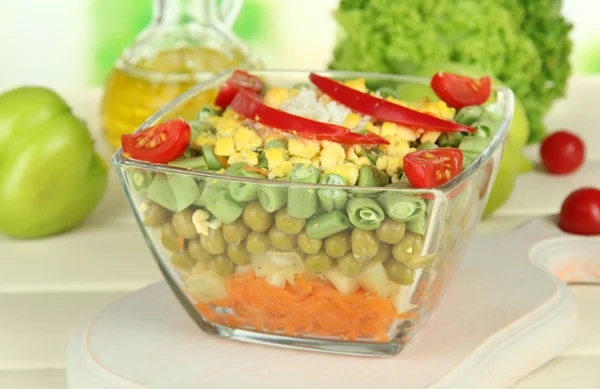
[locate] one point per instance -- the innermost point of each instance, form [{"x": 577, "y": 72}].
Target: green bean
[
  {"x": 417, "y": 225},
  {"x": 326, "y": 224},
  {"x": 214, "y": 242},
  {"x": 161, "y": 193},
  {"x": 196, "y": 163},
  {"x": 238, "y": 254},
  {"x": 287, "y": 223},
  {"x": 398, "y": 273},
  {"x": 236, "y": 168},
  {"x": 364, "y": 244},
  {"x": 206, "y": 112},
  {"x": 155, "y": 215},
  {"x": 169, "y": 238},
  {"x": 234, "y": 233},
  {"x": 391, "y": 231},
  {"x": 469, "y": 115},
  {"x": 401, "y": 207},
  {"x": 409, "y": 249},
  {"x": 263, "y": 162},
  {"x": 309, "y": 245},
  {"x": 281, "y": 240},
  {"x": 257, "y": 242},
  {"x": 318, "y": 263},
  {"x": 244, "y": 191},
  {"x": 450, "y": 139},
  {"x": 365, "y": 213},
  {"x": 225, "y": 209},
  {"x": 332, "y": 198},
  {"x": 198, "y": 252},
  {"x": 272, "y": 198},
  {"x": 140, "y": 181},
  {"x": 185, "y": 189},
  {"x": 349, "y": 265},
  {"x": 427, "y": 146},
  {"x": 276, "y": 144},
  {"x": 200, "y": 127},
  {"x": 182, "y": 262},
  {"x": 222, "y": 265},
  {"x": 371, "y": 176},
  {"x": 472, "y": 147},
  {"x": 383, "y": 254},
  {"x": 302, "y": 203},
  {"x": 210, "y": 190},
  {"x": 336, "y": 246},
  {"x": 257, "y": 218},
  {"x": 182, "y": 222},
  {"x": 385, "y": 92}
]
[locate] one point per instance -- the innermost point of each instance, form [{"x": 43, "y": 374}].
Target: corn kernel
[
  {"x": 331, "y": 155},
  {"x": 347, "y": 170},
  {"x": 352, "y": 120},
  {"x": 276, "y": 96},
  {"x": 357, "y": 84},
  {"x": 430, "y": 136}
]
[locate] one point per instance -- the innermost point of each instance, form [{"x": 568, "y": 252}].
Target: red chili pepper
[
  {"x": 239, "y": 80},
  {"x": 460, "y": 91},
  {"x": 162, "y": 143},
  {"x": 432, "y": 168},
  {"x": 381, "y": 109},
  {"x": 250, "y": 106}
]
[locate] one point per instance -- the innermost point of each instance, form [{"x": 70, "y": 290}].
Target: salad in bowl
[{"x": 315, "y": 210}]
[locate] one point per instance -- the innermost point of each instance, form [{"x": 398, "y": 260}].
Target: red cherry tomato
[
  {"x": 562, "y": 152},
  {"x": 432, "y": 168},
  {"x": 162, "y": 143},
  {"x": 239, "y": 80},
  {"x": 580, "y": 212},
  {"x": 460, "y": 91}
]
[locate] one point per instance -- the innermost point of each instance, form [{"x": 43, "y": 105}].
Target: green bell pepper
[
  {"x": 513, "y": 162},
  {"x": 50, "y": 175}
]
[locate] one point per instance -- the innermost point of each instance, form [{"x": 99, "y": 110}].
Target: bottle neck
[{"x": 179, "y": 12}]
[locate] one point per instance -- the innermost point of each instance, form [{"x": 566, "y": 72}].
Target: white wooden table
[{"x": 48, "y": 287}]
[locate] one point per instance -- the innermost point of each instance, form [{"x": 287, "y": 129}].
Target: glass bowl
[{"x": 254, "y": 274}]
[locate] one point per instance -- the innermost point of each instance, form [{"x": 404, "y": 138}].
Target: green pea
[
  {"x": 182, "y": 222},
  {"x": 256, "y": 217},
  {"x": 222, "y": 265},
  {"x": 280, "y": 240},
  {"x": 383, "y": 254},
  {"x": 287, "y": 223},
  {"x": 183, "y": 262},
  {"x": 319, "y": 262},
  {"x": 234, "y": 233},
  {"x": 398, "y": 272},
  {"x": 409, "y": 249},
  {"x": 156, "y": 215},
  {"x": 169, "y": 238},
  {"x": 391, "y": 231},
  {"x": 198, "y": 252},
  {"x": 349, "y": 265},
  {"x": 214, "y": 242},
  {"x": 309, "y": 245},
  {"x": 238, "y": 254},
  {"x": 257, "y": 242},
  {"x": 337, "y": 245},
  {"x": 364, "y": 244}
]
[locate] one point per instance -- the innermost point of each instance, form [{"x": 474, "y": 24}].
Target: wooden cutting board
[{"x": 506, "y": 313}]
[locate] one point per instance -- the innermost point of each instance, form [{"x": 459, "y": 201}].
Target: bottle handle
[{"x": 229, "y": 10}]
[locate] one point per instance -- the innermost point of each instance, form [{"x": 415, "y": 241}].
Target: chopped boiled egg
[
  {"x": 224, "y": 147},
  {"x": 248, "y": 156},
  {"x": 246, "y": 139},
  {"x": 331, "y": 155},
  {"x": 439, "y": 109},
  {"x": 204, "y": 140},
  {"x": 347, "y": 170},
  {"x": 305, "y": 148}
]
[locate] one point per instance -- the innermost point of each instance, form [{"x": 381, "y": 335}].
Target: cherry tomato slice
[
  {"x": 562, "y": 152},
  {"x": 580, "y": 212},
  {"x": 162, "y": 143},
  {"x": 432, "y": 168},
  {"x": 239, "y": 80},
  {"x": 460, "y": 91}
]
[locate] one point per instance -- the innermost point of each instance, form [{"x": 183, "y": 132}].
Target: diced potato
[
  {"x": 241, "y": 270},
  {"x": 199, "y": 267},
  {"x": 374, "y": 279},
  {"x": 344, "y": 284},
  {"x": 282, "y": 259},
  {"x": 206, "y": 286},
  {"x": 399, "y": 296},
  {"x": 276, "y": 279},
  {"x": 262, "y": 266}
]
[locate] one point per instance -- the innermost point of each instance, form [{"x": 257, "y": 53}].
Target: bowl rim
[{"x": 504, "y": 93}]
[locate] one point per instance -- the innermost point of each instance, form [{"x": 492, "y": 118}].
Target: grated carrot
[
  {"x": 309, "y": 308},
  {"x": 258, "y": 170}
]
